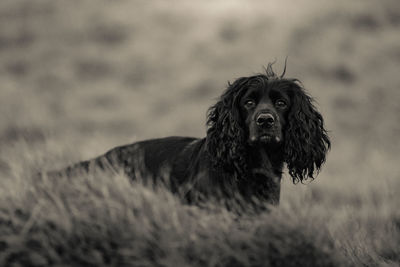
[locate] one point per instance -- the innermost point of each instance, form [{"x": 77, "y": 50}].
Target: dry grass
[
  {"x": 79, "y": 77},
  {"x": 104, "y": 220}
]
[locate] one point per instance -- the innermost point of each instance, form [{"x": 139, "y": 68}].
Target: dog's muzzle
[
  {"x": 265, "y": 120},
  {"x": 265, "y": 128}
]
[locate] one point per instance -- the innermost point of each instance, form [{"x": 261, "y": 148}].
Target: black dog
[{"x": 259, "y": 123}]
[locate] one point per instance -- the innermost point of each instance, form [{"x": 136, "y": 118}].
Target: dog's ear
[
  {"x": 306, "y": 140},
  {"x": 225, "y": 135}
]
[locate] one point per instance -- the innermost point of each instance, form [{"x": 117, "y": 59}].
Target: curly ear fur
[
  {"x": 306, "y": 140},
  {"x": 225, "y": 136}
]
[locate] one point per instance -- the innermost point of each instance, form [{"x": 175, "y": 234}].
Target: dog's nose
[{"x": 265, "y": 120}]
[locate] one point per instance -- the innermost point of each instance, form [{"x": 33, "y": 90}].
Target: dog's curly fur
[{"x": 225, "y": 164}]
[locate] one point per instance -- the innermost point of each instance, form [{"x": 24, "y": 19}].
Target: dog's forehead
[{"x": 268, "y": 88}]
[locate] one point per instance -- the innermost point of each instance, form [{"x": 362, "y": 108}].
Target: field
[{"x": 80, "y": 77}]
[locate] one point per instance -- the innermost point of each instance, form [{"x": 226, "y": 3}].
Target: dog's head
[
  {"x": 266, "y": 110},
  {"x": 263, "y": 108}
]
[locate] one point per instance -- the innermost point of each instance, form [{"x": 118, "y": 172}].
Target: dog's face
[
  {"x": 272, "y": 111},
  {"x": 264, "y": 107}
]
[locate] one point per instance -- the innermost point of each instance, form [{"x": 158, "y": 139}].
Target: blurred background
[{"x": 80, "y": 77}]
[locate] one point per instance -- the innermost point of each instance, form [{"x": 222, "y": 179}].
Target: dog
[{"x": 258, "y": 124}]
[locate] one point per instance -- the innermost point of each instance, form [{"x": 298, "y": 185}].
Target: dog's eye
[
  {"x": 249, "y": 103},
  {"x": 280, "y": 103}
]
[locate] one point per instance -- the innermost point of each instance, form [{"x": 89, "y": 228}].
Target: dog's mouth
[
  {"x": 266, "y": 138},
  {"x": 264, "y": 135},
  {"x": 269, "y": 138}
]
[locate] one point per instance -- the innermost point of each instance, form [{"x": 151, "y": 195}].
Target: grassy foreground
[{"x": 105, "y": 220}]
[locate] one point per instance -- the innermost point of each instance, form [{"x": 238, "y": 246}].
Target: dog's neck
[
  {"x": 268, "y": 158},
  {"x": 265, "y": 164}
]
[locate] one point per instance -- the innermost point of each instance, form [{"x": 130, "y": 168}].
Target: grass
[
  {"x": 78, "y": 78},
  {"x": 104, "y": 220}
]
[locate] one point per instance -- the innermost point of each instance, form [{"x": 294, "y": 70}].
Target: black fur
[{"x": 242, "y": 155}]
